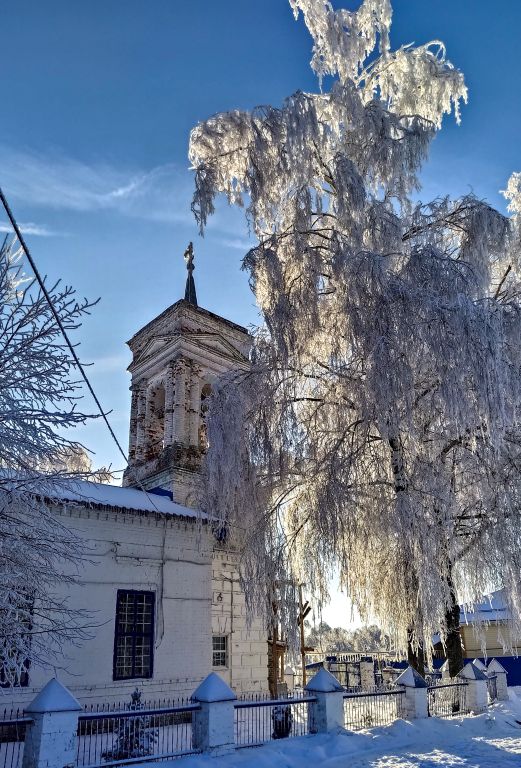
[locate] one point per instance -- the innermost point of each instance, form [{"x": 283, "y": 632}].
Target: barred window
[
  {"x": 219, "y": 651},
  {"x": 134, "y": 635}
]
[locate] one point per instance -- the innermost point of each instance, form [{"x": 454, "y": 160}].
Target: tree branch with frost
[
  {"x": 384, "y": 340},
  {"x": 38, "y": 404}
]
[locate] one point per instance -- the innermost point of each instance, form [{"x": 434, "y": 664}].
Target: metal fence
[
  {"x": 447, "y": 699},
  {"x": 346, "y": 672},
  {"x": 492, "y": 688},
  {"x": 258, "y": 721},
  {"x": 367, "y": 709},
  {"x": 114, "y": 737},
  {"x": 12, "y": 737}
]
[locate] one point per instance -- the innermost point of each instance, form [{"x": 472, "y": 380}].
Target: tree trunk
[
  {"x": 416, "y": 657},
  {"x": 453, "y": 643}
]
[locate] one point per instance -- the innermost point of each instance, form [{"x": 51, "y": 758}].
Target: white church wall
[{"x": 125, "y": 551}]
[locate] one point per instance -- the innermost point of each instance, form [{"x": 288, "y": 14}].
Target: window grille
[
  {"x": 134, "y": 635},
  {"x": 219, "y": 651}
]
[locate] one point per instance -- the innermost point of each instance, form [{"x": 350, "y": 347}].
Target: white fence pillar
[
  {"x": 367, "y": 680},
  {"x": 327, "y": 712},
  {"x": 213, "y": 723},
  {"x": 51, "y": 739},
  {"x": 495, "y": 668},
  {"x": 289, "y": 678},
  {"x": 416, "y": 695},
  {"x": 477, "y": 697},
  {"x": 445, "y": 674}
]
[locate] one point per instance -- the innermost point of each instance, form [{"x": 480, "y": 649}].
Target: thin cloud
[
  {"x": 30, "y": 229},
  {"x": 238, "y": 244},
  {"x": 55, "y": 181}
]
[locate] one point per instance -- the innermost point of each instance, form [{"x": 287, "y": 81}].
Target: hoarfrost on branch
[
  {"x": 378, "y": 428},
  {"x": 38, "y": 405}
]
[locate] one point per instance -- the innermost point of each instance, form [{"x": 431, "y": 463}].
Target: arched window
[
  {"x": 155, "y": 421},
  {"x": 203, "y": 431}
]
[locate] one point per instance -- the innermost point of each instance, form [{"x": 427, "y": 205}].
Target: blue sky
[{"x": 98, "y": 101}]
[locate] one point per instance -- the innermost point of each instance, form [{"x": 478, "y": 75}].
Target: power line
[
  {"x": 59, "y": 322},
  {"x": 75, "y": 357}
]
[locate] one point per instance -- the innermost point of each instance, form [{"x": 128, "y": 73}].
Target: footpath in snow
[{"x": 490, "y": 740}]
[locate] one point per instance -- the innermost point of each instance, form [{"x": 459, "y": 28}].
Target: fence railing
[
  {"x": 12, "y": 737},
  {"x": 447, "y": 699},
  {"x": 363, "y": 709},
  {"x": 259, "y": 721},
  {"x": 113, "y": 737},
  {"x": 492, "y": 688}
]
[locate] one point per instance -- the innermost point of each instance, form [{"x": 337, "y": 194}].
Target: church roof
[
  {"x": 493, "y": 608},
  {"x": 121, "y": 499},
  {"x": 182, "y": 303}
]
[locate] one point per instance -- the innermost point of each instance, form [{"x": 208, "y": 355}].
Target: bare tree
[
  {"x": 38, "y": 407},
  {"x": 377, "y": 428}
]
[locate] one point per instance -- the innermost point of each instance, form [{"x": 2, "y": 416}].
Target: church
[{"x": 160, "y": 585}]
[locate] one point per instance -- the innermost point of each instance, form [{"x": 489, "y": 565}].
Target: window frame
[
  {"x": 134, "y": 635},
  {"x": 220, "y": 650}
]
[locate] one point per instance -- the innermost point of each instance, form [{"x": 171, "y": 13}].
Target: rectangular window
[
  {"x": 134, "y": 635},
  {"x": 219, "y": 651}
]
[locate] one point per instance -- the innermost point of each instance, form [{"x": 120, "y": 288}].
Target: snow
[
  {"x": 496, "y": 666},
  {"x": 213, "y": 688},
  {"x": 54, "y": 697},
  {"x": 472, "y": 672},
  {"x": 411, "y": 679},
  {"x": 490, "y": 740},
  {"x": 102, "y": 494},
  {"x": 324, "y": 682},
  {"x": 493, "y": 608}
]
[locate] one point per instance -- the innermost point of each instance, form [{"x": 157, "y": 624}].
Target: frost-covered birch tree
[
  {"x": 377, "y": 430},
  {"x": 38, "y": 405}
]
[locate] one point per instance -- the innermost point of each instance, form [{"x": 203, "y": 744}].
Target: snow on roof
[
  {"x": 493, "y": 608},
  {"x": 102, "y": 494},
  {"x": 471, "y": 672}
]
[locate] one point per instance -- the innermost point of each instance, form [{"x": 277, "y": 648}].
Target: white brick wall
[{"x": 247, "y": 668}]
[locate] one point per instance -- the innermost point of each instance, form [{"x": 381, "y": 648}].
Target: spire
[{"x": 190, "y": 294}]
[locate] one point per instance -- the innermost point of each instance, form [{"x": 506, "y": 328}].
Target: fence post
[
  {"x": 477, "y": 697},
  {"x": 367, "y": 680},
  {"x": 497, "y": 669},
  {"x": 213, "y": 723},
  {"x": 445, "y": 674},
  {"x": 51, "y": 739},
  {"x": 289, "y": 678},
  {"x": 327, "y": 712},
  {"x": 416, "y": 696}
]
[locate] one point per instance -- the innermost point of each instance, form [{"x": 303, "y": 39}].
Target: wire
[{"x": 59, "y": 322}]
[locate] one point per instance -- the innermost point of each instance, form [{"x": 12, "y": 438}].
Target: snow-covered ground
[{"x": 490, "y": 740}]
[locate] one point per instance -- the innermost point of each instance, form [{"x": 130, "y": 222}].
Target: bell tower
[{"x": 176, "y": 358}]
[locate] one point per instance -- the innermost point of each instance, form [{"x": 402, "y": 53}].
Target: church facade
[{"x": 161, "y": 592}]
